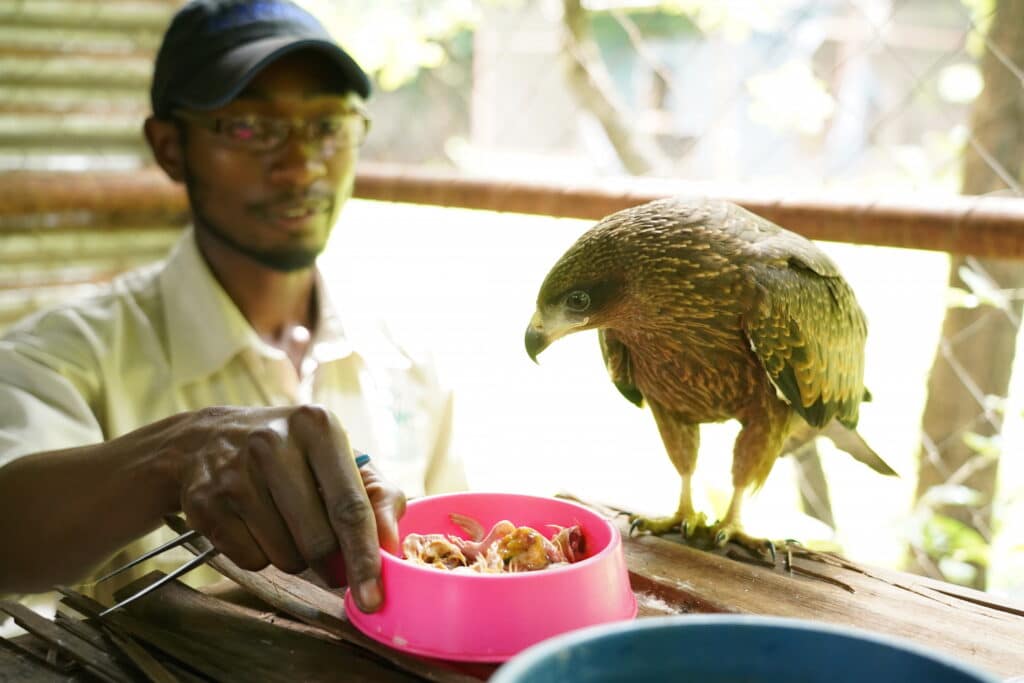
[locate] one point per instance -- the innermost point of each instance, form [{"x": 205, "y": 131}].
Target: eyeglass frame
[{"x": 216, "y": 124}]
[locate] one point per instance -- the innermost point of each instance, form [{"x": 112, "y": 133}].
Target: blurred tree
[
  {"x": 971, "y": 370},
  {"x": 592, "y": 86}
]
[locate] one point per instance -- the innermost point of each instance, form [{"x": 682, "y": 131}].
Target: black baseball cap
[{"x": 213, "y": 48}]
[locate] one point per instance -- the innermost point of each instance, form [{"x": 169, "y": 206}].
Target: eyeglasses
[{"x": 259, "y": 134}]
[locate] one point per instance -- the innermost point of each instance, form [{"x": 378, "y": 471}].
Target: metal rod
[
  {"x": 183, "y": 569},
  {"x": 152, "y": 553}
]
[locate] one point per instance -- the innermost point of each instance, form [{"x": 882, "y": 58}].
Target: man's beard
[{"x": 282, "y": 259}]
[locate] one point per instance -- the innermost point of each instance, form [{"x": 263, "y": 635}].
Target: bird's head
[{"x": 583, "y": 291}]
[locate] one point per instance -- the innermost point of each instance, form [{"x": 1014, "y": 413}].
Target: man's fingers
[
  {"x": 227, "y": 532},
  {"x": 349, "y": 511},
  {"x": 294, "y": 492},
  {"x": 256, "y": 507},
  {"x": 388, "y": 507}
]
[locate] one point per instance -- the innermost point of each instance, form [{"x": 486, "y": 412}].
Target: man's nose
[{"x": 299, "y": 162}]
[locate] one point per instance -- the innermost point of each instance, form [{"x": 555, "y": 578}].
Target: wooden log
[
  {"x": 983, "y": 226},
  {"x": 958, "y": 622},
  {"x": 991, "y": 227},
  {"x": 33, "y": 201}
]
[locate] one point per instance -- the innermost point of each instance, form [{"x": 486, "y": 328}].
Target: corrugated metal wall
[{"x": 74, "y": 79}]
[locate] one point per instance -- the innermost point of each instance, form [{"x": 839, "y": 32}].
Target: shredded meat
[{"x": 505, "y": 548}]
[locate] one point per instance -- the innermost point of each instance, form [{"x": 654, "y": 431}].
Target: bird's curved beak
[{"x": 536, "y": 340}]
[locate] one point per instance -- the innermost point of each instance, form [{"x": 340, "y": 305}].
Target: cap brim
[{"x": 223, "y": 80}]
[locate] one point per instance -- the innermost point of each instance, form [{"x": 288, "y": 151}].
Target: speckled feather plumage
[{"x": 714, "y": 312}]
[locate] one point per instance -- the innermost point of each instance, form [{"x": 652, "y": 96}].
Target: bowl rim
[
  {"x": 615, "y": 540},
  {"x": 516, "y": 667}
]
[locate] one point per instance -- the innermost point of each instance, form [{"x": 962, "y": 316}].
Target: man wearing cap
[{"x": 228, "y": 383}]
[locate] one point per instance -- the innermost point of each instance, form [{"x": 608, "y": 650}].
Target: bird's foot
[
  {"x": 657, "y": 526},
  {"x": 694, "y": 526},
  {"x": 761, "y": 548}
]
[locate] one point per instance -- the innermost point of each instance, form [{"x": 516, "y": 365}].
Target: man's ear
[{"x": 165, "y": 140}]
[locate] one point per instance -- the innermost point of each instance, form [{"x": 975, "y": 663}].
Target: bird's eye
[{"x": 577, "y": 301}]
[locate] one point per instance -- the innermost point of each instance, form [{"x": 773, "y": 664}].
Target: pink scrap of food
[{"x": 505, "y": 548}]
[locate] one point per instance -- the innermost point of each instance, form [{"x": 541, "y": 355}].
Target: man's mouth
[{"x": 293, "y": 216}]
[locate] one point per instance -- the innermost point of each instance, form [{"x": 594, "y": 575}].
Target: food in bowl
[{"x": 505, "y": 548}]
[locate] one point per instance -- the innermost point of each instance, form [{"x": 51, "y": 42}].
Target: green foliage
[
  {"x": 982, "y": 12},
  {"x": 734, "y": 21},
  {"x": 958, "y": 549},
  {"x": 987, "y": 447},
  {"x": 397, "y": 39},
  {"x": 983, "y": 292},
  {"x": 651, "y": 22}
]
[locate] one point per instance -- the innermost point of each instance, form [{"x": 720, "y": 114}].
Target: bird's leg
[
  {"x": 681, "y": 442},
  {"x": 754, "y": 454}
]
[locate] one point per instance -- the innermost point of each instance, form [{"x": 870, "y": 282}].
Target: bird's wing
[
  {"x": 616, "y": 359},
  {"x": 807, "y": 329}
]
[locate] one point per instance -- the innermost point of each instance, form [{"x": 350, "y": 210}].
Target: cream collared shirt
[{"x": 167, "y": 338}]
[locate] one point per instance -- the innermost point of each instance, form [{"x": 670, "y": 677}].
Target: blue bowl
[{"x": 712, "y": 648}]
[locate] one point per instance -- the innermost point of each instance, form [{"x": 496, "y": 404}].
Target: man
[{"x": 105, "y": 417}]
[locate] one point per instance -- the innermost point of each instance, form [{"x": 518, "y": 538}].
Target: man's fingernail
[{"x": 369, "y": 594}]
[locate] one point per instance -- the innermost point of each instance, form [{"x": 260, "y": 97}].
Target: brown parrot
[{"x": 708, "y": 312}]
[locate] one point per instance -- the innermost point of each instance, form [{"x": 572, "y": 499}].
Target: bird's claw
[
  {"x": 634, "y": 525},
  {"x": 656, "y": 526},
  {"x": 760, "y": 548}
]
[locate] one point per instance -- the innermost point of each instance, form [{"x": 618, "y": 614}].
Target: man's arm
[
  {"x": 264, "y": 485},
  {"x": 63, "y": 512}
]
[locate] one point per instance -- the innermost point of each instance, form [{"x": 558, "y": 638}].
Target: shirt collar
[{"x": 205, "y": 329}]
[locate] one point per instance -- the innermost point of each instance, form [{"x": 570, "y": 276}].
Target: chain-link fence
[{"x": 856, "y": 101}]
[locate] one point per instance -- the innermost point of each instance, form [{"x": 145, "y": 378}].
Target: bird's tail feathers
[{"x": 847, "y": 440}]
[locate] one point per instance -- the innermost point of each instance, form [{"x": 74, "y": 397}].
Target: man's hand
[{"x": 280, "y": 486}]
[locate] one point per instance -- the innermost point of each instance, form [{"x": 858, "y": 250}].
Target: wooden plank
[
  {"x": 669, "y": 576},
  {"x": 311, "y": 604},
  {"x": 105, "y": 635},
  {"x": 96, "y": 661},
  {"x": 20, "y": 663},
  {"x": 148, "y": 661},
  {"x": 228, "y": 642}
]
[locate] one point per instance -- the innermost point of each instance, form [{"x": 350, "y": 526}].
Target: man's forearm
[{"x": 63, "y": 512}]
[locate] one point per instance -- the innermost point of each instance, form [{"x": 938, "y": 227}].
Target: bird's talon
[
  {"x": 721, "y": 538},
  {"x": 771, "y": 549}
]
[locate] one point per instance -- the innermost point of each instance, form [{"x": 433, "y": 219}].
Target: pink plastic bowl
[{"x": 488, "y": 617}]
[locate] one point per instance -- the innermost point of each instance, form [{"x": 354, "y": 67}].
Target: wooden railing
[{"x": 990, "y": 227}]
